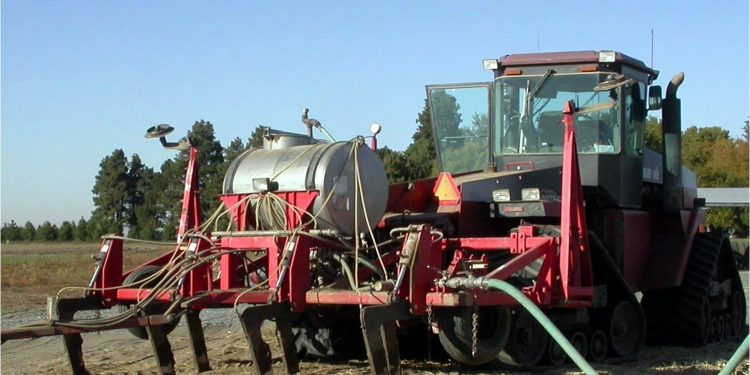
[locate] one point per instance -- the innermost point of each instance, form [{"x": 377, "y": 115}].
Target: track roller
[
  {"x": 556, "y": 356},
  {"x": 580, "y": 342},
  {"x": 598, "y": 346},
  {"x": 527, "y": 343}
]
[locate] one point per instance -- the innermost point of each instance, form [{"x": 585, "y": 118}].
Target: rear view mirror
[{"x": 654, "y": 98}]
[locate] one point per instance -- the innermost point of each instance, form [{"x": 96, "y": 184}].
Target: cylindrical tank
[{"x": 325, "y": 167}]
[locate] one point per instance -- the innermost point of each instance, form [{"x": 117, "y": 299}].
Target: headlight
[
  {"x": 530, "y": 194},
  {"x": 502, "y": 195}
]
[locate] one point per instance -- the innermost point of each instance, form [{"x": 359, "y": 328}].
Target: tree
[
  {"x": 66, "y": 231},
  {"x": 29, "y": 232},
  {"x": 395, "y": 165},
  {"x": 46, "y": 232},
  {"x": 718, "y": 161},
  {"x": 144, "y": 209},
  {"x": 111, "y": 192},
  {"x": 653, "y": 134},
  {"x": 11, "y": 232},
  {"x": 81, "y": 232},
  {"x": 256, "y": 139},
  {"x": 421, "y": 160}
]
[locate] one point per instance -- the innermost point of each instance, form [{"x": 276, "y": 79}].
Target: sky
[{"x": 82, "y": 78}]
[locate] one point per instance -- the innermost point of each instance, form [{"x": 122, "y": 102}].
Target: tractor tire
[
  {"x": 456, "y": 333},
  {"x": 138, "y": 275}
]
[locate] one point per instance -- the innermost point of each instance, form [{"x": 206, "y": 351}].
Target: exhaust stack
[{"x": 672, "y": 140}]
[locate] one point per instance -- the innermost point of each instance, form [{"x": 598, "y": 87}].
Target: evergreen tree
[
  {"x": 395, "y": 165},
  {"x": 421, "y": 159},
  {"x": 256, "y": 139},
  {"x": 81, "y": 233},
  {"x": 29, "y": 232},
  {"x": 143, "y": 205},
  {"x": 235, "y": 148},
  {"x": 11, "y": 232},
  {"x": 111, "y": 192},
  {"x": 66, "y": 231},
  {"x": 46, "y": 232}
]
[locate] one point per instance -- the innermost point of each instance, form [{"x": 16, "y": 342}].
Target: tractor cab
[{"x": 515, "y": 122}]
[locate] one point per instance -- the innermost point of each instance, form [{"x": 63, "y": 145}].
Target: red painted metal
[
  {"x": 110, "y": 273},
  {"x": 564, "y": 280},
  {"x": 190, "y": 216},
  {"x": 575, "y": 263}
]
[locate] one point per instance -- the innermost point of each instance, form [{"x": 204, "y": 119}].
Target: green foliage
[
  {"x": 111, "y": 190},
  {"x": 653, "y": 136},
  {"x": 718, "y": 160},
  {"x": 11, "y": 232},
  {"x": 81, "y": 232},
  {"x": 395, "y": 165},
  {"x": 29, "y": 232},
  {"x": 256, "y": 139},
  {"x": 421, "y": 160},
  {"x": 46, "y": 232},
  {"x": 66, "y": 231}
]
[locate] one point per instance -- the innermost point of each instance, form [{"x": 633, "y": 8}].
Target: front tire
[{"x": 456, "y": 335}]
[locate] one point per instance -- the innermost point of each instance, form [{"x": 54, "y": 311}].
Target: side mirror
[{"x": 654, "y": 98}]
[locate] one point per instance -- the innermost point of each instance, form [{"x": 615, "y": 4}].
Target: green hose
[
  {"x": 536, "y": 312},
  {"x": 738, "y": 356}
]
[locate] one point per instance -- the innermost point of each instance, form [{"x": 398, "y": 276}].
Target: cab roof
[{"x": 573, "y": 57}]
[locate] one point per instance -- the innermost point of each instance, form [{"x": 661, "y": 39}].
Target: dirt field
[{"x": 31, "y": 272}]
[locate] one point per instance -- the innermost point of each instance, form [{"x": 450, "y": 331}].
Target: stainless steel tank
[{"x": 325, "y": 167}]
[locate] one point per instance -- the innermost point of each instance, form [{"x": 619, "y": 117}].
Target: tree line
[{"x": 130, "y": 195}]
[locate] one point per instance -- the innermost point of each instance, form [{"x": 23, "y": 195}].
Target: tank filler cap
[{"x": 158, "y": 131}]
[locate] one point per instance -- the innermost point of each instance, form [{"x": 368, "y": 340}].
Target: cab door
[{"x": 460, "y": 116}]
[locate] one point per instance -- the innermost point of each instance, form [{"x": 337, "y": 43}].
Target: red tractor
[{"x": 545, "y": 186}]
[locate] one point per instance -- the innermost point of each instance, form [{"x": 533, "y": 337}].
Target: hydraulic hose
[
  {"x": 738, "y": 356},
  {"x": 536, "y": 312}
]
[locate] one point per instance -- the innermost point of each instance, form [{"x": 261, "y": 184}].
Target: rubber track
[
  {"x": 674, "y": 313},
  {"x": 606, "y": 272}
]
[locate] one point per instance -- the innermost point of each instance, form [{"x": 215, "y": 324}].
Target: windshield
[{"x": 529, "y": 115}]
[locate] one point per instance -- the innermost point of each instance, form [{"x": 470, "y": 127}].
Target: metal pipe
[
  {"x": 672, "y": 140},
  {"x": 536, "y": 312},
  {"x": 738, "y": 356}
]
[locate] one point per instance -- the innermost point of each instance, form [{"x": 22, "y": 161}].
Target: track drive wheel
[
  {"x": 457, "y": 337},
  {"x": 141, "y": 274},
  {"x": 527, "y": 343}
]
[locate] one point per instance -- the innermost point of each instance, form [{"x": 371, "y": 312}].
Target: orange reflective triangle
[{"x": 445, "y": 190}]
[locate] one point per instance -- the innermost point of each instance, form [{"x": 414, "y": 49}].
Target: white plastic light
[
  {"x": 501, "y": 195},
  {"x": 375, "y": 128},
  {"x": 490, "y": 64},
  {"x": 606, "y": 57},
  {"x": 530, "y": 194}
]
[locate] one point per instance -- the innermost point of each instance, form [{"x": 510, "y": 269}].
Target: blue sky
[{"x": 81, "y": 78}]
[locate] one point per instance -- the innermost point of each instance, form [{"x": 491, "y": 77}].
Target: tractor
[{"x": 550, "y": 231}]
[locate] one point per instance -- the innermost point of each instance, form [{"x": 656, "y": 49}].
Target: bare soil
[{"x": 31, "y": 272}]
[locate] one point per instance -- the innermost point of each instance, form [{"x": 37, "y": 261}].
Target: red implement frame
[{"x": 564, "y": 279}]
